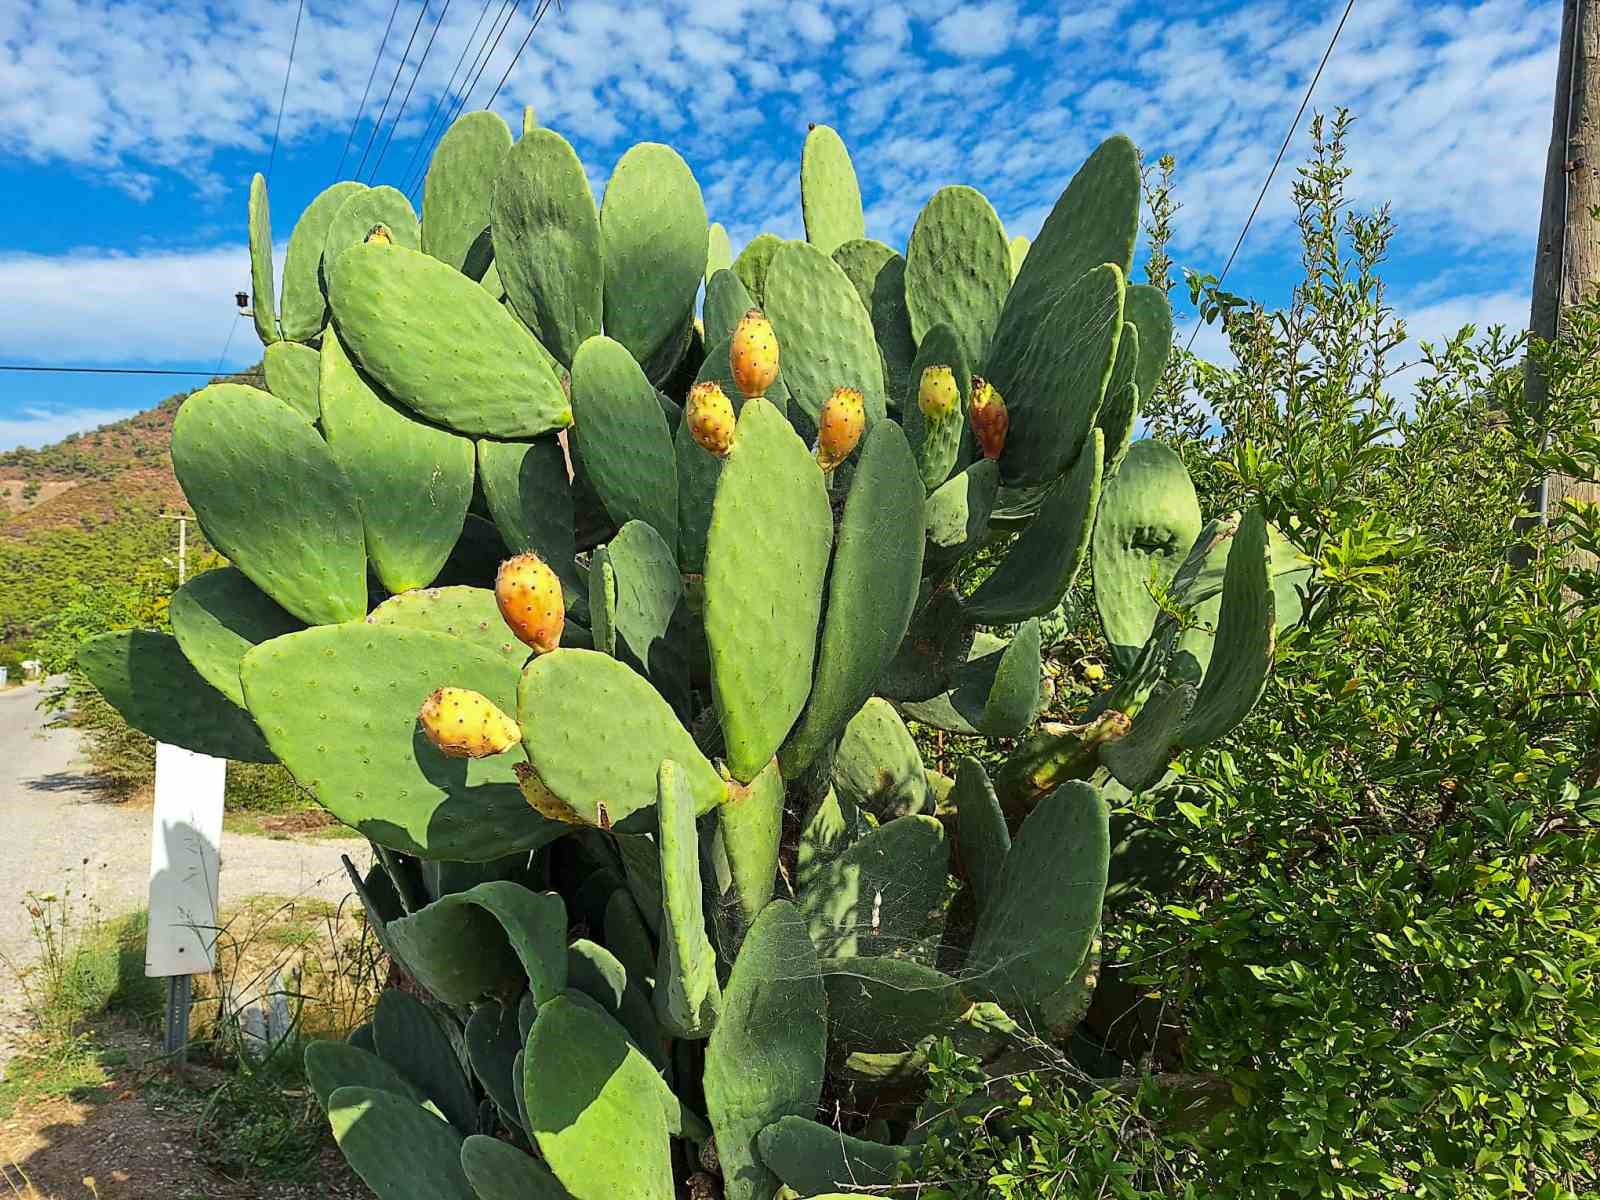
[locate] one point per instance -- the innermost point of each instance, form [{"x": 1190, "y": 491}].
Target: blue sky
[{"x": 129, "y": 131}]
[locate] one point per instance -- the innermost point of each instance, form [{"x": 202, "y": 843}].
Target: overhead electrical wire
[
  {"x": 503, "y": 18},
  {"x": 406, "y": 99},
  {"x": 393, "y": 83},
  {"x": 283, "y": 96},
  {"x": 355, "y": 121},
  {"x": 438, "y": 102},
  {"x": 537, "y": 17}
]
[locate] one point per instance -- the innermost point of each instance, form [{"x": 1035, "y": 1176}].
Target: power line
[
  {"x": 117, "y": 371},
  {"x": 1277, "y": 162},
  {"x": 232, "y": 329},
  {"x": 406, "y": 99},
  {"x": 393, "y": 83},
  {"x": 438, "y": 102},
  {"x": 537, "y": 17},
  {"x": 294, "y": 41},
  {"x": 367, "y": 91},
  {"x": 508, "y": 9}
]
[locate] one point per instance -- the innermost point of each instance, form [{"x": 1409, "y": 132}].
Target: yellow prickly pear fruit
[
  {"x": 379, "y": 235},
  {"x": 753, "y": 354},
  {"x": 989, "y": 417},
  {"x": 710, "y": 416},
  {"x": 839, "y": 426},
  {"x": 530, "y": 600},
  {"x": 465, "y": 724},
  {"x": 937, "y": 393}
]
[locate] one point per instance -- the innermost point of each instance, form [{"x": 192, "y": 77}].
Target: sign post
[{"x": 185, "y": 861}]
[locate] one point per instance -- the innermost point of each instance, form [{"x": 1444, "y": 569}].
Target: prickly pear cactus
[{"x": 604, "y": 622}]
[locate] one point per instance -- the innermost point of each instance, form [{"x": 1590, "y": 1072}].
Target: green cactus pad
[
  {"x": 439, "y": 344},
  {"x": 1245, "y": 638},
  {"x": 994, "y": 692},
  {"x": 813, "y": 1158},
  {"x": 687, "y": 996},
  {"x": 146, "y": 678},
  {"x": 882, "y": 1003},
  {"x": 413, "y": 481},
  {"x": 831, "y": 827},
  {"x": 263, "y": 301},
  {"x": 1037, "y": 925},
  {"x": 399, "y": 1148},
  {"x": 653, "y": 230},
  {"x": 459, "y": 185},
  {"x": 956, "y": 515},
  {"x": 594, "y": 1106},
  {"x": 1120, "y": 412},
  {"x": 824, "y": 334},
  {"x": 750, "y": 821},
  {"x": 218, "y": 617},
  {"x": 753, "y": 262},
  {"x": 719, "y": 250},
  {"x": 1018, "y": 246},
  {"x": 468, "y": 613},
  {"x": 830, "y": 197},
  {"x": 596, "y": 734},
  {"x": 302, "y": 310},
  {"x": 727, "y": 299},
  {"x": 623, "y": 437},
  {"x": 1147, "y": 308},
  {"x": 492, "y": 1042},
  {"x": 1140, "y": 758},
  {"x": 877, "y": 896},
  {"x": 763, "y": 595},
  {"x": 333, "y": 1065},
  {"x": 649, "y": 613},
  {"x": 530, "y": 498},
  {"x": 291, "y": 371},
  {"x": 472, "y": 944},
  {"x": 872, "y": 589},
  {"x": 1094, "y": 222},
  {"x": 878, "y": 767},
  {"x": 698, "y": 473},
  {"x": 937, "y": 447},
  {"x": 1040, "y": 566},
  {"x": 879, "y": 275},
  {"x": 958, "y": 269},
  {"x": 339, "y": 705},
  {"x": 982, "y": 837},
  {"x": 295, "y": 528},
  {"x": 628, "y": 933},
  {"x": 499, "y": 1171},
  {"x": 597, "y": 973},
  {"x": 411, "y": 1038},
  {"x": 767, "y": 1055},
  {"x": 547, "y": 242},
  {"x": 1148, "y": 519},
  {"x": 1056, "y": 386},
  {"x": 354, "y": 219},
  {"x": 603, "y": 602}
]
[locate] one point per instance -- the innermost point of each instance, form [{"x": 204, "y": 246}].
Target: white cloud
[
  {"x": 977, "y": 30},
  {"x": 35, "y": 427}
]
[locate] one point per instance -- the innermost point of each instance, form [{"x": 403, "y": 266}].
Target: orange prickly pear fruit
[
  {"x": 379, "y": 235},
  {"x": 989, "y": 417},
  {"x": 753, "y": 354},
  {"x": 839, "y": 426},
  {"x": 710, "y": 416},
  {"x": 530, "y": 600},
  {"x": 937, "y": 393},
  {"x": 465, "y": 724}
]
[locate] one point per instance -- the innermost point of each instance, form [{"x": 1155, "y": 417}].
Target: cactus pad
[
  {"x": 813, "y": 1158},
  {"x": 468, "y": 945},
  {"x": 467, "y": 613},
  {"x": 752, "y": 264},
  {"x": 882, "y": 894},
  {"x": 459, "y": 184},
  {"x": 263, "y": 295},
  {"x": 830, "y": 197},
  {"x": 354, "y": 219},
  {"x": 302, "y": 310},
  {"x": 530, "y": 498},
  {"x": 879, "y": 275},
  {"x": 1246, "y": 633},
  {"x": 499, "y": 1171},
  {"x": 218, "y": 617},
  {"x": 623, "y": 437},
  {"x": 291, "y": 371},
  {"x": 958, "y": 269},
  {"x": 824, "y": 333},
  {"x": 687, "y": 996},
  {"x": 877, "y": 767},
  {"x": 399, "y": 1149}
]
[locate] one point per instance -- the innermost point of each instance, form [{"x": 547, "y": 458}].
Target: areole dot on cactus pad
[
  {"x": 937, "y": 393},
  {"x": 529, "y": 596},
  {"x": 466, "y": 724},
  {"x": 710, "y": 416},
  {"x": 839, "y": 426},
  {"x": 753, "y": 354},
  {"x": 989, "y": 417}
]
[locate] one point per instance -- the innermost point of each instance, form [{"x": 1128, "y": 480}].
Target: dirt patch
[
  {"x": 298, "y": 822},
  {"x": 19, "y": 495}
]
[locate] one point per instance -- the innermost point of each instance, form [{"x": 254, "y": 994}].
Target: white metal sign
[{"x": 185, "y": 857}]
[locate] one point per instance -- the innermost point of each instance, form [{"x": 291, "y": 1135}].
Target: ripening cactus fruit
[
  {"x": 937, "y": 393},
  {"x": 839, "y": 426},
  {"x": 530, "y": 599},
  {"x": 753, "y": 354},
  {"x": 989, "y": 417},
  {"x": 710, "y": 416},
  {"x": 379, "y": 235},
  {"x": 464, "y": 724}
]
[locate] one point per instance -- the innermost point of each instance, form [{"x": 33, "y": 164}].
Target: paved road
[{"x": 57, "y": 834}]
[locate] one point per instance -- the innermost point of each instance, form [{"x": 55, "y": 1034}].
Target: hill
[{"x": 82, "y": 518}]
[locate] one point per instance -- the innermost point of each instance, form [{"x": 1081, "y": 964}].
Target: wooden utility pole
[{"x": 1567, "y": 259}]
